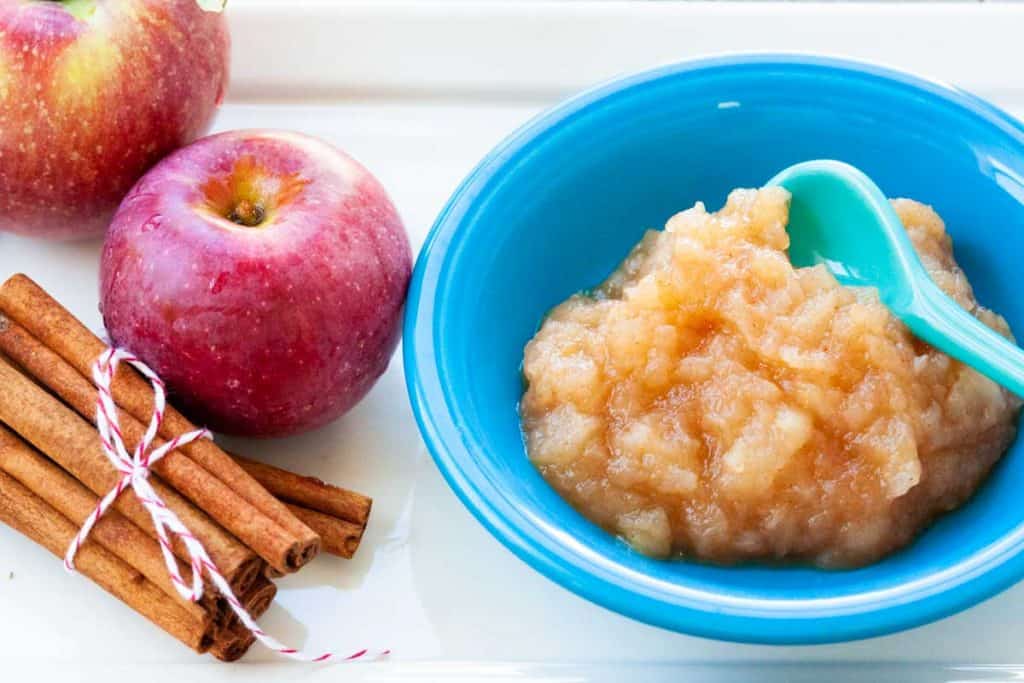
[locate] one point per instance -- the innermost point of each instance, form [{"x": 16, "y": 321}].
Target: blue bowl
[{"x": 555, "y": 208}]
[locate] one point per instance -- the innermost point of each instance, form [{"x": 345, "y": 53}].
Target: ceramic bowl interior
[{"x": 556, "y": 207}]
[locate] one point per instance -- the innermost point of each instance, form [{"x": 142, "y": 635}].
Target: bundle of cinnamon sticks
[{"x": 255, "y": 521}]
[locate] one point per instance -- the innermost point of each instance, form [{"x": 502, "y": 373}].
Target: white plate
[{"x": 419, "y": 92}]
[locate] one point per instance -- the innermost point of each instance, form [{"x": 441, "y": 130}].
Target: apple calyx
[
  {"x": 249, "y": 194},
  {"x": 248, "y": 214}
]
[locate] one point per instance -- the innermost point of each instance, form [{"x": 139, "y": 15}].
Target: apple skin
[
  {"x": 259, "y": 331},
  {"x": 92, "y": 94}
]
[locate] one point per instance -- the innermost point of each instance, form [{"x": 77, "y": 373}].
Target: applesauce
[{"x": 711, "y": 401}]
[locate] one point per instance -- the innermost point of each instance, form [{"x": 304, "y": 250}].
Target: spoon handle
[{"x": 937, "y": 319}]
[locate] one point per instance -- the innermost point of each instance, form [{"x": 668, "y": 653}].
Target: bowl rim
[{"x": 940, "y": 593}]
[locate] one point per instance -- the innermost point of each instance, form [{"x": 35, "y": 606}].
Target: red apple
[
  {"x": 93, "y": 93},
  {"x": 262, "y": 274}
]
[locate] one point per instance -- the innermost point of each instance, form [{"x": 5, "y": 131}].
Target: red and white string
[{"x": 134, "y": 469}]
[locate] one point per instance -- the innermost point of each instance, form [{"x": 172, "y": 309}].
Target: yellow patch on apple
[
  {"x": 82, "y": 67},
  {"x": 5, "y": 79}
]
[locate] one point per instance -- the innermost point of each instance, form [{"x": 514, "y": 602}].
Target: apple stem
[{"x": 249, "y": 214}]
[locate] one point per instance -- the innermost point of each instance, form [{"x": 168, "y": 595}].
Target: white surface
[
  {"x": 429, "y": 582},
  {"x": 515, "y": 50}
]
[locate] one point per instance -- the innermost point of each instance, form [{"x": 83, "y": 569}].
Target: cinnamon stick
[
  {"x": 70, "y": 441},
  {"x": 256, "y": 602},
  {"x": 310, "y": 492},
  {"x": 259, "y": 598},
  {"x": 116, "y": 534},
  {"x": 231, "y": 645},
  {"x": 213, "y": 496},
  {"x": 31, "y": 516},
  {"x": 337, "y": 536},
  {"x": 30, "y": 306}
]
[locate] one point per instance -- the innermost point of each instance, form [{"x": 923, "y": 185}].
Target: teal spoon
[{"x": 840, "y": 218}]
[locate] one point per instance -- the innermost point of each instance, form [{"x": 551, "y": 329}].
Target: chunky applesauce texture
[{"x": 711, "y": 401}]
